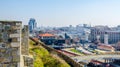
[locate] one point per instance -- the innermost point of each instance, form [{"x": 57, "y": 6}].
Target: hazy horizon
[{"x": 62, "y": 12}]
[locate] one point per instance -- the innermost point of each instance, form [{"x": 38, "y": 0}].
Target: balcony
[{"x": 15, "y": 44}]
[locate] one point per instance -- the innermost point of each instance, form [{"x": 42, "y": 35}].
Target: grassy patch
[
  {"x": 54, "y": 61},
  {"x": 38, "y": 62},
  {"x": 76, "y": 51},
  {"x": 31, "y": 44},
  {"x": 42, "y": 58},
  {"x": 40, "y": 51}
]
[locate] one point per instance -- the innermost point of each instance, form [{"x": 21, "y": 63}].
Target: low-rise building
[{"x": 47, "y": 38}]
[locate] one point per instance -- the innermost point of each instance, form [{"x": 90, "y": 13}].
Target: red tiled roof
[{"x": 46, "y": 34}]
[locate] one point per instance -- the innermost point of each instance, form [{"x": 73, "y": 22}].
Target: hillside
[{"x": 42, "y": 58}]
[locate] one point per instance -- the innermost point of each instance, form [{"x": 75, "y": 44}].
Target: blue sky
[{"x": 62, "y": 12}]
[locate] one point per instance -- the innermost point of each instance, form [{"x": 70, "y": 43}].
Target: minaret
[{"x": 105, "y": 38}]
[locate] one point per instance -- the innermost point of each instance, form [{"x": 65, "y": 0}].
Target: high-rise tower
[{"x": 32, "y": 25}]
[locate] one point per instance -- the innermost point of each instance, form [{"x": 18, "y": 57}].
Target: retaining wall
[{"x": 70, "y": 61}]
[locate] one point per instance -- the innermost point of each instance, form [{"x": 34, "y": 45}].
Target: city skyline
[{"x": 62, "y": 12}]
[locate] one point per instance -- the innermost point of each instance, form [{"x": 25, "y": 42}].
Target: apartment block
[{"x": 106, "y": 35}]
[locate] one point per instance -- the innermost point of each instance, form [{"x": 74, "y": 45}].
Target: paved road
[
  {"x": 95, "y": 57},
  {"x": 68, "y": 53},
  {"x": 83, "y": 50}
]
